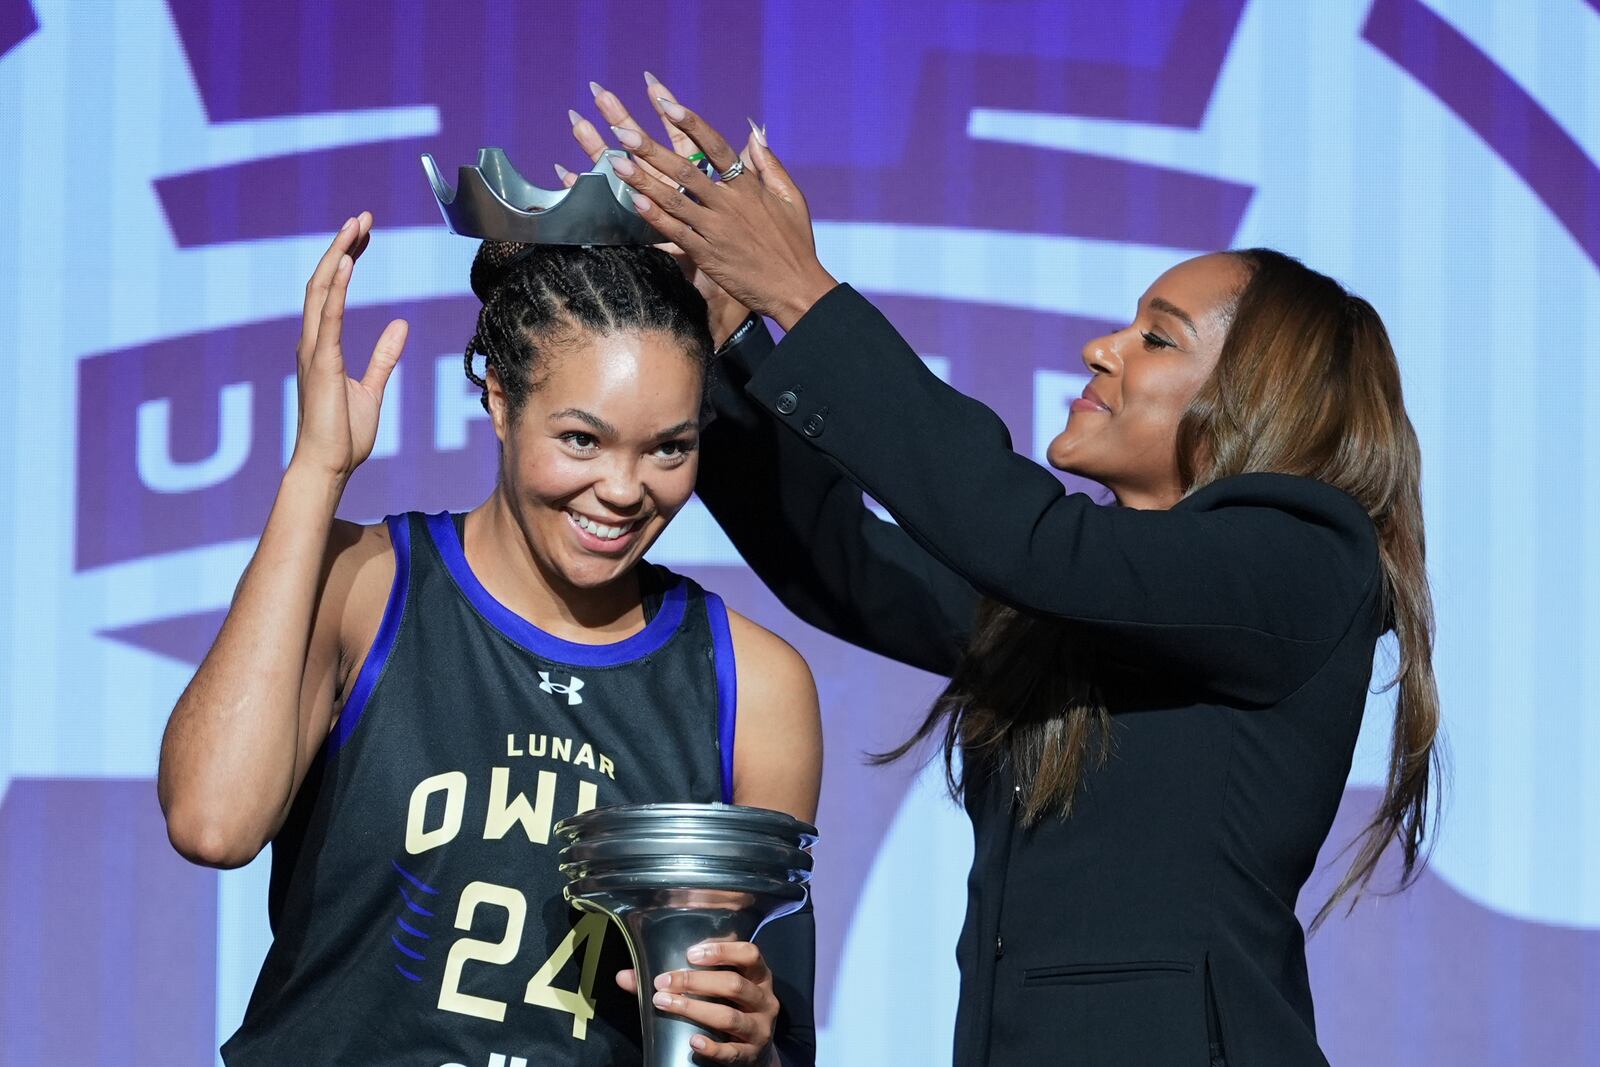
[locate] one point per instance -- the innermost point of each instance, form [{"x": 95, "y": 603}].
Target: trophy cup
[
  {"x": 491, "y": 200},
  {"x": 674, "y": 875}
]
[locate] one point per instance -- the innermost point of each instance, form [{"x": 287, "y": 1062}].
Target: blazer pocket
[{"x": 1105, "y": 973}]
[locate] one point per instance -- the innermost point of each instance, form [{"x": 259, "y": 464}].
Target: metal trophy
[
  {"x": 492, "y": 200},
  {"x": 674, "y": 875}
]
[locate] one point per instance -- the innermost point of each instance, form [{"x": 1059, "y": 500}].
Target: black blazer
[{"x": 1232, "y": 637}]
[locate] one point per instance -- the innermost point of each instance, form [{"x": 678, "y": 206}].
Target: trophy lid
[
  {"x": 492, "y": 201},
  {"x": 688, "y": 821}
]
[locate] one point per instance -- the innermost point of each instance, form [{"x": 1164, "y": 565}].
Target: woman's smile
[
  {"x": 1089, "y": 401},
  {"x": 606, "y": 537}
]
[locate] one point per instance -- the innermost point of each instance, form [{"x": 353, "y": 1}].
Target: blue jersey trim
[
  {"x": 383, "y": 644},
  {"x": 657, "y": 632},
  {"x": 727, "y": 687}
]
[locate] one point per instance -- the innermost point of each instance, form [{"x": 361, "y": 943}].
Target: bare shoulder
[
  {"x": 778, "y": 739},
  {"x": 765, "y": 653}
]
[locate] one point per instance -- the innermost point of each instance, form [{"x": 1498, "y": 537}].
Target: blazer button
[
  {"x": 787, "y": 402},
  {"x": 813, "y": 426},
  {"x": 999, "y": 948}
]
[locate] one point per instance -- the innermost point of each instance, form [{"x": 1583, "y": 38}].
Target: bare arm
[
  {"x": 244, "y": 731},
  {"x": 777, "y": 755}
]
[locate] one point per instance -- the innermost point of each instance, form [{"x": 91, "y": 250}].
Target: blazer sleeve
[
  {"x": 802, "y": 526},
  {"x": 1244, "y": 587}
]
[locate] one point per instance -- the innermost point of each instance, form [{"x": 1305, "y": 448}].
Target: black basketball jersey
[{"x": 416, "y": 905}]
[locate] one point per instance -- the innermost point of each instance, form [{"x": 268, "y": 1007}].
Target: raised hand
[
  {"x": 732, "y": 996},
  {"x": 750, "y": 233},
  {"x": 726, "y": 313},
  {"x": 339, "y": 414}
]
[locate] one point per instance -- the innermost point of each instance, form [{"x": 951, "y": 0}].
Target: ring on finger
[
  {"x": 733, "y": 171},
  {"x": 699, "y": 160}
]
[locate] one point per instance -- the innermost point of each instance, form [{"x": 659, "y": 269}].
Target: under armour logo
[{"x": 570, "y": 690}]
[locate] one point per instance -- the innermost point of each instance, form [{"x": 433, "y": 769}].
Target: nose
[
  {"x": 1100, "y": 355},
  {"x": 619, "y": 487}
]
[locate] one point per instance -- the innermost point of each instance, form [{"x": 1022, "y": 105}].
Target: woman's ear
[{"x": 495, "y": 391}]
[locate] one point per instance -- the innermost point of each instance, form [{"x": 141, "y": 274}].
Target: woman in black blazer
[{"x": 1155, "y": 704}]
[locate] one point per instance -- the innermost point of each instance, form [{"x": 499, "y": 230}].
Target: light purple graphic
[
  {"x": 1498, "y": 109},
  {"x": 1428, "y": 976},
  {"x": 109, "y": 938},
  {"x": 912, "y": 122}
]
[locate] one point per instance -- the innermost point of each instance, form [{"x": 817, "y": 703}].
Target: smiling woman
[
  {"x": 405, "y": 709},
  {"x": 1154, "y": 704},
  {"x": 595, "y": 372},
  {"x": 1144, "y": 377}
]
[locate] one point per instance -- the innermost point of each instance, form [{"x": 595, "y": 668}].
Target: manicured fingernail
[
  {"x": 651, "y": 79},
  {"x": 760, "y": 132},
  {"x": 623, "y": 166},
  {"x": 347, "y": 224},
  {"x": 674, "y": 110},
  {"x": 699, "y": 954},
  {"x": 562, "y": 172},
  {"x": 596, "y": 88},
  {"x": 700, "y": 1044},
  {"x": 642, "y": 204},
  {"x": 628, "y": 137},
  {"x": 663, "y": 981},
  {"x": 574, "y": 116},
  {"x": 662, "y": 1000}
]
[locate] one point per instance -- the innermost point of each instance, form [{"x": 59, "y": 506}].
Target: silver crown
[{"x": 493, "y": 202}]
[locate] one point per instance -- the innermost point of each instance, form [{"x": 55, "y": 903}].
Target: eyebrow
[
  {"x": 1158, "y": 304},
  {"x": 682, "y": 427},
  {"x": 594, "y": 421},
  {"x": 604, "y": 427}
]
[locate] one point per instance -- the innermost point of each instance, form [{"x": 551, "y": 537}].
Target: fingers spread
[
  {"x": 619, "y": 119},
  {"x": 774, "y": 176},
  {"x": 659, "y": 96},
  {"x": 707, "y": 139},
  {"x": 669, "y": 193},
  {"x": 317, "y": 287},
  {"x": 385, "y": 354},
  {"x": 588, "y": 137},
  {"x": 675, "y": 230},
  {"x": 613, "y": 109},
  {"x": 363, "y": 234},
  {"x": 330, "y": 326},
  {"x": 659, "y": 162}
]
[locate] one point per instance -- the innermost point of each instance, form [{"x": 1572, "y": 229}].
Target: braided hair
[{"x": 536, "y": 297}]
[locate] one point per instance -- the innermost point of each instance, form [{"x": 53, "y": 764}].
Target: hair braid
[{"x": 538, "y": 296}]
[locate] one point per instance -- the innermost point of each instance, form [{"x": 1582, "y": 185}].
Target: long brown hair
[{"x": 1306, "y": 383}]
